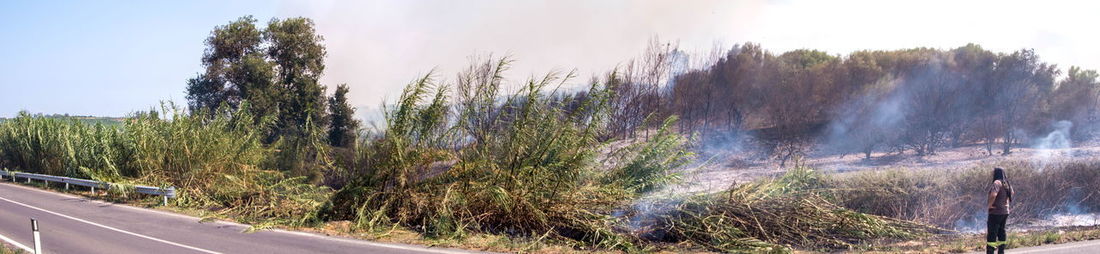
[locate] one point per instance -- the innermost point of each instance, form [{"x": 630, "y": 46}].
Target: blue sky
[
  {"x": 110, "y": 58},
  {"x": 105, "y": 58}
]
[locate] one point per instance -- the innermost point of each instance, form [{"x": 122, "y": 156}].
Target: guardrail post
[
  {"x": 37, "y": 237},
  {"x": 66, "y": 185}
]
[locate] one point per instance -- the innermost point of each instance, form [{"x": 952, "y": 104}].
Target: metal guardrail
[{"x": 165, "y": 193}]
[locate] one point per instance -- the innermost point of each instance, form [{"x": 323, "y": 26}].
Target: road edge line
[
  {"x": 246, "y": 226},
  {"x": 125, "y": 205},
  {"x": 112, "y": 228},
  {"x": 17, "y": 244}
]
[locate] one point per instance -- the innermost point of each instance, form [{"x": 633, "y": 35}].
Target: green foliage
[
  {"x": 277, "y": 70},
  {"x": 59, "y": 146},
  {"x": 296, "y": 50},
  {"x": 520, "y": 165},
  {"x": 235, "y": 68},
  {"x": 214, "y": 159},
  {"x": 805, "y": 58},
  {"x": 4, "y": 249},
  {"x": 343, "y": 127},
  {"x": 306, "y": 153},
  {"x": 649, "y": 164}
]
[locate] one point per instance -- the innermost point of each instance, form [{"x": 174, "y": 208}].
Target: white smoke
[
  {"x": 1055, "y": 143},
  {"x": 973, "y": 224}
]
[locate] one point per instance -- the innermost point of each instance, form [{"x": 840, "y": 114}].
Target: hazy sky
[{"x": 111, "y": 58}]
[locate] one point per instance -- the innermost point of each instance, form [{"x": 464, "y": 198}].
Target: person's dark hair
[{"x": 999, "y": 174}]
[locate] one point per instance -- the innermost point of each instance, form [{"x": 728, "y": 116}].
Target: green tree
[
  {"x": 277, "y": 70},
  {"x": 235, "y": 68},
  {"x": 342, "y": 125},
  {"x": 296, "y": 50},
  {"x": 1021, "y": 81},
  {"x": 1076, "y": 99},
  {"x": 297, "y": 54}
]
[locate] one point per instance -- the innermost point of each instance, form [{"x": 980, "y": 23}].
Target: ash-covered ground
[{"x": 717, "y": 171}]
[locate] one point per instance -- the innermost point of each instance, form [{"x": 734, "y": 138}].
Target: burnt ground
[{"x": 715, "y": 171}]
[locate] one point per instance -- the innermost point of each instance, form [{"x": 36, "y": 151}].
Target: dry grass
[
  {"x": 5, "y": 248},
  {"x": 976, "y": 242},
  {"x": 772, "y": 216},
  {"x": 950, "y": 197}
]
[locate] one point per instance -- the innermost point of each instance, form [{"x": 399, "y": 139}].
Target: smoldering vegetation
[
  {"x": 912, "y": 100},
  {"x": 533, "y": 165},
  {"x": 796, "y": 209},
  {"x": 590, "y": 166}
]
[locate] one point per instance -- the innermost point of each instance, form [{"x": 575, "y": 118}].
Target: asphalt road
[
  {"x": 1066, "y": 248},
  {"x": 73, "y": 224}
]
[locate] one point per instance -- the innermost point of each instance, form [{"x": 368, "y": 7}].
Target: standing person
[{"x": 1000, "y": 199}]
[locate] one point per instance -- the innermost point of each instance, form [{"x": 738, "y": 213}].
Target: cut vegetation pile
[{"x": 769, "y": 215}]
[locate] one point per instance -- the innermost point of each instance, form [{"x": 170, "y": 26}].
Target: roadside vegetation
[
  {"x": 543, "y": 162},
  {"x": 974, "y": 242},
  {"x": 941, "y": 196},
  {"x": 441, "y": 194},
  {"x": 219, "y": 162},
  {"x": 770, "y": 214},
  {"x": 5, "y": 249}
]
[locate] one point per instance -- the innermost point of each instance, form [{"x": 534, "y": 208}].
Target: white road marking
[
  {"x": 138, "y": 209},
  {"x": 112, "y": 228},
  {"x": 305, "y": 234},
  {"x": 17, "y": 244}
]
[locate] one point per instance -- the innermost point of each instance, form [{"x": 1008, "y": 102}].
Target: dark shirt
[{"x": 1001, "y": 202}]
